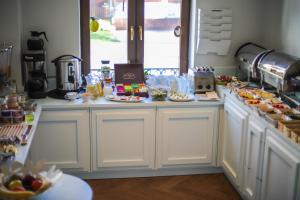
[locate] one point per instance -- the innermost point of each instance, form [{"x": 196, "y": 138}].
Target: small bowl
[{"x": 71, "y": 96}]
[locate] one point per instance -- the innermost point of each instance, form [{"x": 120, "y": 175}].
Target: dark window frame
[{"x": 134, "y": 54}]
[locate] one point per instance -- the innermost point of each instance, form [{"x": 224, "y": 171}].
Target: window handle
[
  {"x": 131, "y": 33},
  {"x": 141, "y": 32}
]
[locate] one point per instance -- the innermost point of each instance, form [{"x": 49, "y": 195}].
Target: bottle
[{"x": 105, "y": 69}]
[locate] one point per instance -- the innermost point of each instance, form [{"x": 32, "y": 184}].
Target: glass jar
[
  {"x": 105, "y": 69},
  {"x": 108, "y": 88},
  {"x": 29, "y": 116}
]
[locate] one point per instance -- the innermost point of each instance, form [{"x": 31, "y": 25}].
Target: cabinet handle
[
  {"x": 131, "y": 33},
  {"x": 141, "y": 32}
]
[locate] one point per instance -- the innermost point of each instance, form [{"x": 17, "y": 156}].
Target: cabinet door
[
  {"x": 123, "y": 138},
  {"x": 281, "y": 171},
  {"x": 62, "y": 138},
  {"x": 186, "y": 136},
  {"x": 254, "y": 157},
  {"x": 235, "y": 122}
]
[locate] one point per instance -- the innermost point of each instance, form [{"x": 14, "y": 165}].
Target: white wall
[
  {"x": 282, "y": 26},
  {"x": 10, "y": 31},
  {"x": 247, "y": 22},
  {"x": 60, "y": 19}
]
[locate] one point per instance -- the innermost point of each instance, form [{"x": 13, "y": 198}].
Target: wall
[
  {"x": 282, "y": 26},
  {"x": 10, "y": 31},
  {"x": 247, "y": 24},
  {"x": 60, "y": 19}
]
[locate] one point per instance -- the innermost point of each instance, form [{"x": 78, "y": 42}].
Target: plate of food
[
  {"x": 125, "y": 99},
  {"x": 180, "y": 97}
]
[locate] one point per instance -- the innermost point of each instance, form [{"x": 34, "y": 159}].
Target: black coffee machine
[
  {"x": 34, "y": 66},
  {"x": 34, "y": 74}
]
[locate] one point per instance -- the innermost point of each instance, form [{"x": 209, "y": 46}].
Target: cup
[{"x": 71, "y": 95}]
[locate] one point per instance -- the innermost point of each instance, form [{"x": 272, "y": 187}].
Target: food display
[
  {"x": 282, "y": 116},
  {"x": 253, "y": 102},
  {"x": 180, "y": 97},
  {"x": 16, "y": 115},
  {"x": 133, "y": 89},
  {"x": 10, "y": 136},
  {"x": 126, "y": 99},
  {"x": 247, "y": 94},
  {"x": 224, "y": 79},
  {"x": 26, "y": 182},
  {"x": 158, "y": 94}
]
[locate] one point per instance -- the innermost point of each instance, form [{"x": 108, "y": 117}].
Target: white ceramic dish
[
  {"x": 124, "y": 99},
  {"x": 191, "y": 98}
]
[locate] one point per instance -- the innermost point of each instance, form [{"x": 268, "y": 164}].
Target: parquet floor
[{"x": 192, "y": 187}]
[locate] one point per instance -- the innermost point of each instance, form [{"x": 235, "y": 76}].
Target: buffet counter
[
  {"x": 23, "y": 149},
  {"x": 50, "y": 103}
]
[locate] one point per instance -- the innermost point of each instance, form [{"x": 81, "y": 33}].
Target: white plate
[
  {"x": 191, "y": 98},
  {"x": 68, "y": 98},
  {"x": 117, "y": 99}
]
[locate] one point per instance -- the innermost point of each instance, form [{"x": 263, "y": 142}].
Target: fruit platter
[{"x": 18, "y": 182}]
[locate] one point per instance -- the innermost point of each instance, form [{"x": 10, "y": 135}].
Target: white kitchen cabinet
[
  {"x": 123, "y": 138},
  {"x": 253, "y": 158},
  {"x": 63, "y": 139},
  {"x": 233, "y": 136},
  {"x": 186, "y": 136},
  {"x": 281, "y": 171}
]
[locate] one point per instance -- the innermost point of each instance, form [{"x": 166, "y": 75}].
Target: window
[{"x": 136, "y": 31}]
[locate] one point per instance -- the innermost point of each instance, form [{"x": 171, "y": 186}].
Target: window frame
[{"x": 135, "y": 48}]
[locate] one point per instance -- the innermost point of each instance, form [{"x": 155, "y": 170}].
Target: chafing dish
[
  {"x": 278, "y": 69},
  {"x": 247, "y": 57}
]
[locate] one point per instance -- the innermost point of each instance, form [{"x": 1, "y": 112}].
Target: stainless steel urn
[{"x": 68, "y": 73}]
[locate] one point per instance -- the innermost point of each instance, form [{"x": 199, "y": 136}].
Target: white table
[{"x": 67, "y": 188}]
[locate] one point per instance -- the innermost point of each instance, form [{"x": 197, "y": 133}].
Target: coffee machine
[
  {"x": 35, "y": 73},
  {"x": 34, "y": 69}
]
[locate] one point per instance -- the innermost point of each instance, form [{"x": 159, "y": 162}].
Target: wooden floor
[{"x": 193, "y": 187}]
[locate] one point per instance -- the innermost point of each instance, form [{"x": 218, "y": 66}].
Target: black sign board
[{"x": 129, "y": 73}]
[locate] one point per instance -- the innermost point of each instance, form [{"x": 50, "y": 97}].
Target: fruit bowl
[
  {"x": 24, "y": 182},
  {"x": 39, "y": 185}
]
